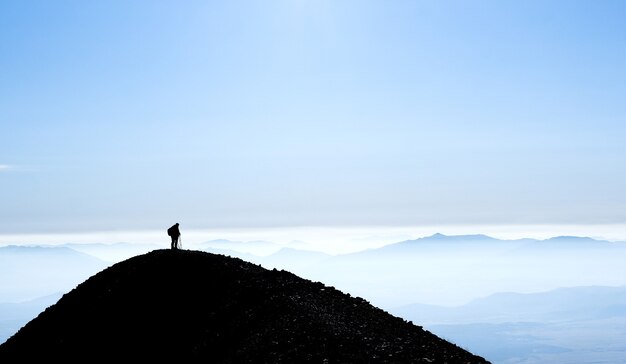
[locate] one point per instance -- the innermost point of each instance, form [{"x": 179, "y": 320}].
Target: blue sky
[{"x": 135, "y": 115}]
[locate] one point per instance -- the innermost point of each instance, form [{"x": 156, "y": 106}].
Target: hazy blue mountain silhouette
[
  {"x": 28, "y": 272},
  {"x": 435, "y": 241},
  {"x": 114, "y": 252},
  {"x": 484, "y": 243},
  {"x": 480, "y": 238},
  {"x": 256, "y": 247},
  {"x": 467, "y": 267},
  {"x": 562, "y": 304},
  {"x": 193, "y": 306},
  {"x": 14, "y": 315},
  {"x": 472, "y": 237},
  {"x": 565, "y": 325},
  {"x": 295, "y": 257}
]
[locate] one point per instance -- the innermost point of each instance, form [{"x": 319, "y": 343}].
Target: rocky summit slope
[{"x": 193, "y": 306}]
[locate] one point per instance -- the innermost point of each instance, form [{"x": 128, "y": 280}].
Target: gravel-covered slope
[{"x": 195, "y": 306}]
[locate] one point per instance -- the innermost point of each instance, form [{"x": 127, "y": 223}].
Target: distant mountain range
[
  {"x": 449, "y": 270},
  {"x": 583, "y": 325},
  {"x": 111, "y": 253},
  {"x": 255, "y": 247},
  {"x": 562, "y": 304},
  {"x": 115, "y": 252},
  {"x": 194, "y": 306},
  {"x": 14, "y": 315},
  {"x": 484, "y": 241},
  {"x": 265, "y": 248},
  {"x": 29, "y": 272}
]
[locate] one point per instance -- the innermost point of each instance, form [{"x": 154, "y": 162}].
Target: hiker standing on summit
[{"x": 175, "y": 234}]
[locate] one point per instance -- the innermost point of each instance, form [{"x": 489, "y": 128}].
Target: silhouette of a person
[{"x": 174, "y": 232}]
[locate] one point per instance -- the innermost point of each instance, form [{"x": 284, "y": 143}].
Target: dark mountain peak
[{"x": 195, "y": 306}]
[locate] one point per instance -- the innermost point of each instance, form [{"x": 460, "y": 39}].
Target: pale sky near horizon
[{"x": 239, "y": 114}]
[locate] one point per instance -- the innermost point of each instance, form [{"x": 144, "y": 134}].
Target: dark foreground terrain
[{"x": 192, "y": 306}]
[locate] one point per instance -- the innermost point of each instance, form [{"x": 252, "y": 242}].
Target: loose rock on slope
[{"x": 202, "y": 307}]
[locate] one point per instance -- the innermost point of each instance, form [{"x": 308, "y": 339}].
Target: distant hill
[
  {"x": 256, "y": 247},
  {"x": 582, "y": 325},
  {"x": 193, "y": 306},
  {"x": 28, "y": 272},
  {"x": 453, "y": 270},
  {"x": 114, "y": 252},
  {"x": 562, "y": 304},
  {"x": 484, "y": 241},
  {"x": 14, "y": 315}
]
